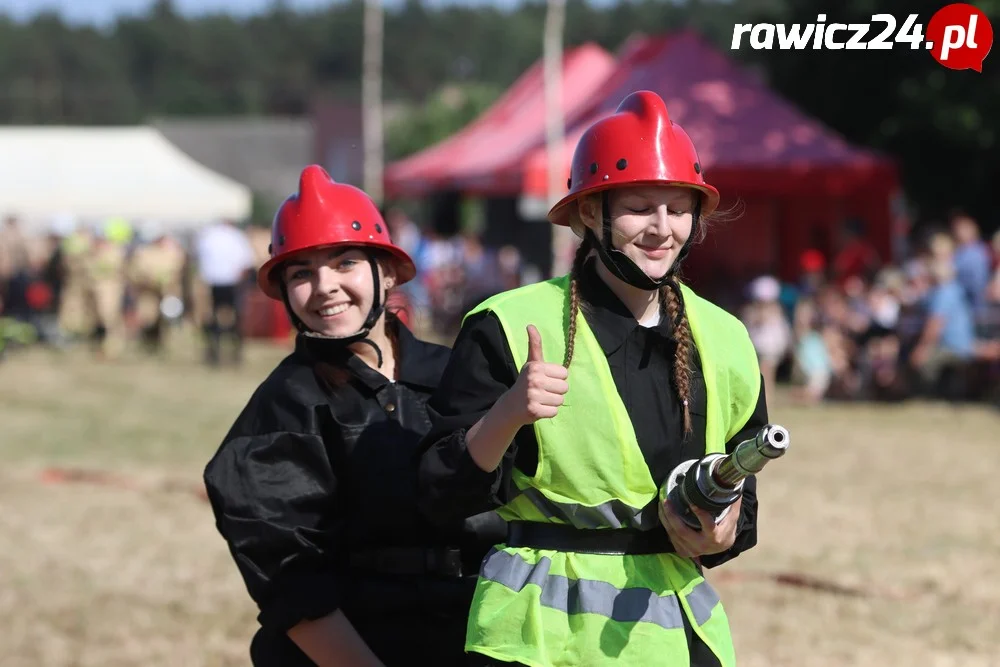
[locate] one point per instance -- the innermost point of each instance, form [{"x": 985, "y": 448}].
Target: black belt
[
  {"x": 409, "y": 561},
  {"x": 560, "y": 537}
]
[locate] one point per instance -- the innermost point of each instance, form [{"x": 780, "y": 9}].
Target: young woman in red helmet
[
  {"x": 566, "y": 404},
  {"x": 314, "y": 486}
]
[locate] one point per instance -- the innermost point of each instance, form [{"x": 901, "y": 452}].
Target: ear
[
  {"x": 389, "y": 275},
  {"x": 590, "y": 212}
]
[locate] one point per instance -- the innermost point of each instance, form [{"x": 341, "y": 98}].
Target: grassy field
[{"x": 877, "y": 542}]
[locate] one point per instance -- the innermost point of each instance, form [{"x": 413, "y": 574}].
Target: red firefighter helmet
[
  {"x": 637, "y": 145},
  {"x": 325, "y": 214}
]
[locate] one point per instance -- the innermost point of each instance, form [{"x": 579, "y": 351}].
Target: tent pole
[
  {"x": 371, "y": 99},
  {"x": 555, "y": 19}
]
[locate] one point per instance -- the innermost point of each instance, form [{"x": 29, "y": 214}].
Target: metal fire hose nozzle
[{"x": 715, "y": 482}]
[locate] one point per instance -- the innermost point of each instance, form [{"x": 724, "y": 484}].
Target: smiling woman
[
  {"x": 567, "y": 403},
  {"x": 332, "y": 291},
  {"x": 314, "y": 487},
  {"x": 333, "y": 264},
  {"x": 652, "y": 223}
]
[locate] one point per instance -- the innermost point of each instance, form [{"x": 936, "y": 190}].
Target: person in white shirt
[
  {"x": 225, "y": 262},
  {"x": 769, "y": 331}
]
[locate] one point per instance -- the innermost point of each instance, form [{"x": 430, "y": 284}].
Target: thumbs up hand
[{"x": 540, "y": 388}]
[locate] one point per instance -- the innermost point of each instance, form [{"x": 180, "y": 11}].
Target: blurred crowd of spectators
[
  {"x": 454, "y": 273},
  {"x": 849, "y": 328},
  {"x": 852, "y": 328},
  {"x": 118, "y": 284}
]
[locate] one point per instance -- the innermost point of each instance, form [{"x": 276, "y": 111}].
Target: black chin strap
[
  {"x": 361, "y": 336},
  {"x": 622, "y": 267}
]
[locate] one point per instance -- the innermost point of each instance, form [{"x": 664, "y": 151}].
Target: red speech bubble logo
[{"x": 960, "y": 37}]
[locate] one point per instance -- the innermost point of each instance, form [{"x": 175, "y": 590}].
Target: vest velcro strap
[{"x": 612, "y": 541}]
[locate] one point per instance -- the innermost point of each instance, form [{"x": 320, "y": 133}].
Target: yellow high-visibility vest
[{"x": 547, "y": 608}]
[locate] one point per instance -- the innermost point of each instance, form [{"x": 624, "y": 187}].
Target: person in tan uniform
[
  {"x": 77, "y": 311},
  {"x": 106, "y": 278},
  {"x": 155, "y": 274}
]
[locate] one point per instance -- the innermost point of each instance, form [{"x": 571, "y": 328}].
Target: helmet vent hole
[
  {"x": 378, "y": 228},
  {"x": 622, "y": 164},
  {"x": 697, "y": 168},
  {"x": 593, "y": 167},
  {"x": 356, "y": 226}
]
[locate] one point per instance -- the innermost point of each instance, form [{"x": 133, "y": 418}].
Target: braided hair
[
  {"x": 671, "y": 305},
  {"x": 574, "y": 294}
]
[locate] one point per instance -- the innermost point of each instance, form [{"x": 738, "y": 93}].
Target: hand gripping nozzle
[{"x": 714, "y": 482}]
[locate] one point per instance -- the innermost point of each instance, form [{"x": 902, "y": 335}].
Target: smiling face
[
  {"x": 331, "y": 290},
  {"x": 650, "y": 224}
]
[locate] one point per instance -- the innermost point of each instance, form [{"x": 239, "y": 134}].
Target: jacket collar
[
  {"x": 610, "y": 319},
  {"x": 414, "y": 359}
]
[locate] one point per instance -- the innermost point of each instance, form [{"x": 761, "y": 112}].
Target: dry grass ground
[{"x": 898, "y": 501}]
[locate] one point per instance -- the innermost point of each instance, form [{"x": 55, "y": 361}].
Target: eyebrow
[{"x": 337, "y": 252}]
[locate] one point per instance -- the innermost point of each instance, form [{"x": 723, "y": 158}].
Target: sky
[{"x": 102, "y": 12}]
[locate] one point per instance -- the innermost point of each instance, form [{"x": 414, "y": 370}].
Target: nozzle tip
[{"x": 777, "y": 439}]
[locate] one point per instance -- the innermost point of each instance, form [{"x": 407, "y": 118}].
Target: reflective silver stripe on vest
[
  {"x": 588, "y": 596},
  {"x": 612, "y": 514},
  {"x": 702, "y": 600}
]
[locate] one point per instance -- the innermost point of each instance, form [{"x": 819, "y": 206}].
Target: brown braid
[
  {"x": 574, "y": 295},
  {"x": 671, "y": 306}
]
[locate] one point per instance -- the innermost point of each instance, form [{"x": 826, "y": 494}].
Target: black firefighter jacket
[{"x": 314, "y": 489}]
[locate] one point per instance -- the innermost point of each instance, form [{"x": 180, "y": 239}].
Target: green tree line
[{"x": 942, "y": 124}]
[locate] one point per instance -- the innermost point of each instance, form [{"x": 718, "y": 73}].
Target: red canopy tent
[
  {"x": 485, "y": 157},
  {"x": 791, "y": 179}
]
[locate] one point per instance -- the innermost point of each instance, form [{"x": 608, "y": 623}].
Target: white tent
[{"x": 94, "y": 173}]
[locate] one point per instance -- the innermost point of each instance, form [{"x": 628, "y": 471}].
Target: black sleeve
[
  {"x": 273, "y": 496},
  {"x": 746, "y": 527},
  {"x": 480, "y": 370}
]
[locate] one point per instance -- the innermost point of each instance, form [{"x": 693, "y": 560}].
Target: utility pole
[
  {"x": 555, "y": 21},
  {"x": 371, "y": 99}
]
